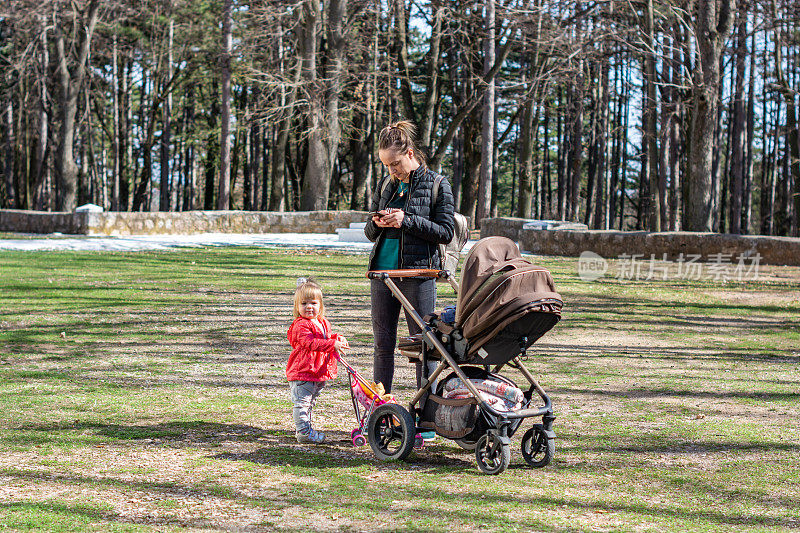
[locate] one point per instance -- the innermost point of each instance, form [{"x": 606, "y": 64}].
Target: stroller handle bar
[
  {"x": 431, "y": 273},
  {"x": 407, "y": 273}
]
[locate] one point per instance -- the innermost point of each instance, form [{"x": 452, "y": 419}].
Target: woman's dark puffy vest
[{"x": 424, "y": 226}]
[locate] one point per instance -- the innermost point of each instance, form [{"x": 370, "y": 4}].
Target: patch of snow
[
  {"x": 132, "y": 243},
  {"x": 89, "y": 208}
]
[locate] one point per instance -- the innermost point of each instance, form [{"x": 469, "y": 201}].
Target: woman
[{"x": 406, "y": 231}]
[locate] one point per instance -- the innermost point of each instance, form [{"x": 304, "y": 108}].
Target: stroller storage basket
[{"x": 451, "y": 418}]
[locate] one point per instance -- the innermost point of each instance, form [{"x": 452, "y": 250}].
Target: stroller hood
[{"x": 506, "y": 303}]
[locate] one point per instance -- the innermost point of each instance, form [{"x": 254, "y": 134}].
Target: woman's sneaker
[
  {"x": 313, "y": 437},
  {"x": 428, "y": 435}
]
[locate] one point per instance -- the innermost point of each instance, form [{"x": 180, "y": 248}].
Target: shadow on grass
[
  {"x": 713, "y": 353},
  {"x": 676, "y": 448},
  {"x": 640, "y": 393},
  {"x": 197, "y": 432},
  {"x": 472, "y": 504}
]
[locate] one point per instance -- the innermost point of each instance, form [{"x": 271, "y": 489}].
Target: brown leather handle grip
[{"x": 405, "y": 273}]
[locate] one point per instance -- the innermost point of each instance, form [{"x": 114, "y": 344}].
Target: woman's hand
[{"x": 392, "y": 219}]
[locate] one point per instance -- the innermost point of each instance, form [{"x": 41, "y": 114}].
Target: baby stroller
[{"x": 503, "y": 306}]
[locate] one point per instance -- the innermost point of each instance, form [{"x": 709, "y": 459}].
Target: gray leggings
[{"x": 385, "y": 316}]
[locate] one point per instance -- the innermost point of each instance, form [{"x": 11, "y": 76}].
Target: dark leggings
[{"x": 385, "y": 316}]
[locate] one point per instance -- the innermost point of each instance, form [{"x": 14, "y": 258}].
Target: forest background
[{"x": 654, "y": 114}]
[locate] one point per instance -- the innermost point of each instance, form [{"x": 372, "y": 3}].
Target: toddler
[{"x": 313, "y": 359}]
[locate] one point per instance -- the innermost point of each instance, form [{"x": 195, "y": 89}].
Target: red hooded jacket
[{"x": 313, "y": 356}]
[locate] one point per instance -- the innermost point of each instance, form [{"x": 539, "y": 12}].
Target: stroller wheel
[
  {"x": 358, "y": 438},
  {"x": 537, "y": 448},
  {"x": 492, "y": 455},
  {"x": 390, "y": 432}
]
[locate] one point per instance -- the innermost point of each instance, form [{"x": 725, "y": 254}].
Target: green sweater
[{"x": 387, "y": 256}]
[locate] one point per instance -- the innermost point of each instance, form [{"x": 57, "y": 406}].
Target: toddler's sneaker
[{"x": 312, "y": 437}]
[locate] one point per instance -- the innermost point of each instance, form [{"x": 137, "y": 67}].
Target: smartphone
[{"x": 375, "y": 214}]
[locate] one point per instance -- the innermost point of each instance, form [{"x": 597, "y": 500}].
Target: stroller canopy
[{"x": 506, "y": 303}]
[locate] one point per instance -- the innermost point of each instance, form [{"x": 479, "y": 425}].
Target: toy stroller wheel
[
  {"x": 492, "y": 455},
  {"x": 537, "y": 448},
  {"x": 390, "y": 432},
  {"x": 357, "y": 438},
  {"x": 467, "y": 445}
]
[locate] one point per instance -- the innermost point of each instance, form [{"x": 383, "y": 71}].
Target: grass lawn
[{"x": 144, "y": 392}]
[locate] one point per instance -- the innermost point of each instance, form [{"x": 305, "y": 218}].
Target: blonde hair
[
  {"x": 307, "y": 290},
  {"x": 400, "y": 137}
]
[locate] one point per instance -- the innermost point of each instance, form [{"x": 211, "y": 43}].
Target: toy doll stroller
[
  {"x": 504, "y": 305},
  {"x": 366, "y": 397}
]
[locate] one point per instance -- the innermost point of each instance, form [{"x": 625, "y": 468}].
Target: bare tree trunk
[
  {"x": 323, "y": 116},
  {"x": 711, "y": 26},
  {"x": 432, "y": 88},
  {"x": 115, "y": 116},
  {"x": 286, "y": 101},
  {"x": 602, "y": 219},
  {"x": 8, "y": 159},
  {"x": 224, "y": 192},
  {"x": 236, "y": 152},
  {"x": 669, "y": 171},
  {"x": 561, "y": 137},
  {"x": 140, "y": 197},
  {"x": 790, "y": 187},
  {"x": 616, "y": 145},
  {"x": 769, "y": 224},
  {"x": 737, "y": 148},
  {"x": 165, "y": 187},
  {"x": 654, "y": 200},
  {"x": 747, "y": 208},
  {"x": 458, "y": 166},
  {"x": 316, "y": 182},
  {"x": 126, "y": 145},
  {"x": 718, "y": 173},
  {"x": 591, "y": 143},
  {"x": 547, "y": 208},
  {"x": 255, "y": 155},
  {"x": 70, "y": 85},
  {"x": 469, "y": 183},
  {"x": 266, "y": 167},
  {"x": 526, "y": 161},
  {"x": 39, "y": 169},
  {"x": 401, "y": 44},
  {"x": 278, "y": 167},
  {"x": 361, "y": 144},
  {"x": 247, "y": 167},
  {"x": 487, "y": 121},
  {"x": 793, "y": 155},
  {"x": 575, "y": 146}
]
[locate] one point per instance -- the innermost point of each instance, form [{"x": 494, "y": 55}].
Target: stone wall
[
  {"x": 20, "y": 221},
  {"x": 568, "y": 242},
  {"x": 187, "y": 222},
  {"x": 512, "y": 227},
  {"x": 614, "y": 244}
]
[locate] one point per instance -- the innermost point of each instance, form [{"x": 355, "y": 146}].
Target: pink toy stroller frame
[{"x": 365, "y": 401}]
